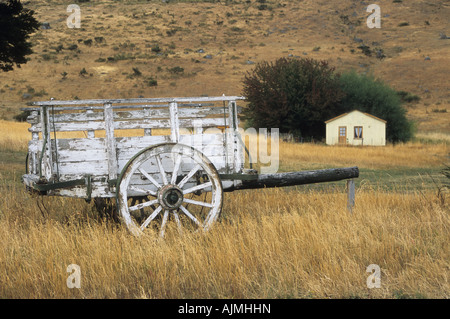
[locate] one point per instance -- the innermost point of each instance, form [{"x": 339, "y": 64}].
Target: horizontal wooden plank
[
  {"x": 127, "y": 125},
  {"x": 79, "y": 144},
  {"x": 95, "y": 168},
  {"x": 70, "y": 155},
  {"x": 207, "y": 150},
  {"x": 101, "y": 190},
  {"x": 133, "y": 142},
  {"x": 58, "y": 108},
  {"x": 140, "y": 142},
  {"x": 141, "y": 100},
  {"x": 100, "y": 168},
  {"x": 197, "y": 112}
]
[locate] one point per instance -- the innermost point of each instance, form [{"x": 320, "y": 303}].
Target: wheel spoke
[
  {"x": 142, "y": 205},
  {"x": 189, "y": 175},
  {"x": 175, "y": 169},
  {"x": 196, "y": 188},
  {"x": 164, "y": 221},
  {"x": 188, "y": 214},
  {"x": 145, "y": 191},
  {"x": 151, "y": 217},
  {"x": 151, "y": 179},
  {"x": 194, "y": 202},
  {"x": 161, "y": 169}
]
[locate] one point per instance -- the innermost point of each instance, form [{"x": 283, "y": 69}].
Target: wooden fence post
[{"x": 350, "y": 194}]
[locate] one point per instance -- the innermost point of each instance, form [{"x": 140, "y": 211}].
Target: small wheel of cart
[{"x": 176, "y": 187}]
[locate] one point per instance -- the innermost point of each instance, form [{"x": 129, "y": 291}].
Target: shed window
[{"x": 358, "y": 132}]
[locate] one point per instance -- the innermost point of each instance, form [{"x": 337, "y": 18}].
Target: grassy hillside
[{"x": 186, "y": 48}]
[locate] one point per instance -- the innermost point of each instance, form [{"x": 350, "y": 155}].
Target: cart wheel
[{"x": 179, "y": 188}]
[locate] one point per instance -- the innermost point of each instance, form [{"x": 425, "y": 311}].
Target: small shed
[{"x": 356, "y": 128}]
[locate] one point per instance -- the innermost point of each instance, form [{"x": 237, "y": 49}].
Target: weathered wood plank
[
  {"x": 235, "y": 145},
  {"x": 82, "y": 155},
  {"x": 116, "y": 107},
  {"x": 90, "y": 115},
  {"x": 174, "y": 123},
  {"x": 46, "y": 154},
  {"x": 127, "y": 125},
  {"x": 110, "y": 142},
  {"x": 101, "y": 168},
  {"x": 141, "y": 100},
  {"x": 132, "y": 141}
]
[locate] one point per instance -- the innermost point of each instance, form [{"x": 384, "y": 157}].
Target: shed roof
[{"x": 342, "y": 115}]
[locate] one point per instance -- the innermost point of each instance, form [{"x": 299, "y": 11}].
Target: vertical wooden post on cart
[
  {"x": 174, "y": 122},
  {"x": 46, "y": 168},
  {"x": 110, "y": 141}
]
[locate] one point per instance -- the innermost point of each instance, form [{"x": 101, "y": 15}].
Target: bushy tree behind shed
[{"x": 294, "y": 95}]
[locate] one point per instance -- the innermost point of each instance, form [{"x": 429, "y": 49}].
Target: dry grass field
[{"x": 295, "y": 242}]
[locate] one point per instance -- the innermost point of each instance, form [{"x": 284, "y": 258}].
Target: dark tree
[
  {"x": 16, "y": 24},
  {"x": 294, "y": 95}
]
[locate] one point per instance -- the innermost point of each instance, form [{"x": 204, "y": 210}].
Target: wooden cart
[{"x": 161, "y": 159}]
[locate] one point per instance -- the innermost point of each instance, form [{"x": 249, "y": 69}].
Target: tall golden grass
[
  {"x": 14, "y": 135},
  {"x": 409, "y": 155},
  {"x": 283, "y": 245}
]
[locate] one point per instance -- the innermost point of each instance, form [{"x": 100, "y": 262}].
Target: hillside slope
[{"x": 186, "y": 48}]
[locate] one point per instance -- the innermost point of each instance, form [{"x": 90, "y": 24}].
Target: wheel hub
[{"x": 170, "y": 197}]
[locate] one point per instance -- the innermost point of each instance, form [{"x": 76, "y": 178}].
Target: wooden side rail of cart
[{"x": 105, "y": 134}]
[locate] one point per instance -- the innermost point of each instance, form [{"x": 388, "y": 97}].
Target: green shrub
[
  {"x": 99, "y": 39},
  {"x": 136, "y": 72},
  {"x": 294, "y": 95},
  {"x": 151, "y": 81},
  {"x": 408, "y": 97},
  {"x": 156, "y": 48},
  {"x": 367, "y": 94},
  {"x": 176, "y": 70},
  {"x": 83, "y": 72},
  {"x": 72, "y": 47}
]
